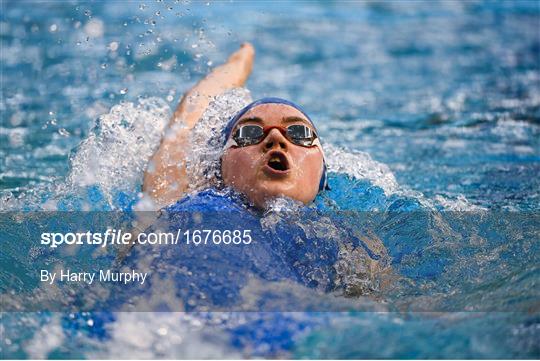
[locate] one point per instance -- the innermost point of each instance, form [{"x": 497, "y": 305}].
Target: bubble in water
[
  {"x": 142, "y": 7},
  {"x": 123, "y": 91},
  {"x": 104, "y": 66},
  {"x": 16, "y": 137},
  {"x": 94, "y": 28},
  {"x": 170, "y": 98},
  {"x": 63, "y": 132},
  {"x": 113, "y": 46},
  {"x": 16, "y": 119},
  {"x": 53, "y": 28}
]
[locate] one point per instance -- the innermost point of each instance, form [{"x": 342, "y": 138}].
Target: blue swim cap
[{"x": 271, "y": 100}]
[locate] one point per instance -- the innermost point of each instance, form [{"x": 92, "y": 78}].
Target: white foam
[
  {"x": 144, "y": 335},
  {"x": 360, "y": 165},
  {"x": 46, "y": 339},
  {"x": 458, "y": 204},
  {"x": 203, "y": 162},
  {"x": 115, "y": 155}
]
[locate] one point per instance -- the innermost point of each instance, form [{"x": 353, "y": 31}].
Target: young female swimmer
[{"x": 271, "y": 149}]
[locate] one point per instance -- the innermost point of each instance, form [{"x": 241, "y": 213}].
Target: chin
[{"x": 275, "y": 189}]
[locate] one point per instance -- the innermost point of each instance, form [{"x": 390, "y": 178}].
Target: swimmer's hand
[{"x": 165, "y": 179}]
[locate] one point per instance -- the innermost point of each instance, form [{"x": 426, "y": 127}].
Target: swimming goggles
[{"x": 251, "y": 134}]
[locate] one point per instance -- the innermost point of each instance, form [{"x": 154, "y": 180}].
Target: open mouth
[{"x": 278, "y": 162}]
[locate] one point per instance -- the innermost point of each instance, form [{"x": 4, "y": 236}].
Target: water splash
[{"x": 203, "y": 162}]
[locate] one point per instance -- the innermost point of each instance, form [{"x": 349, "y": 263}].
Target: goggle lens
[
  {"x": 301, "y": 135},
  {"x": 254, "y": 134}
]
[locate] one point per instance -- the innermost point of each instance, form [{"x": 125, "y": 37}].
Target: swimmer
[
  {"x": 270, "y": 149},
  {"x": 271, "y": 146}
]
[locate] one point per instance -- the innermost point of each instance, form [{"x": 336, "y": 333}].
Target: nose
[{"x": 275, "y": 139}]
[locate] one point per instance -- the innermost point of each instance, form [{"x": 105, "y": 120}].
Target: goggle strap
[{"x": 230, "y": 143}]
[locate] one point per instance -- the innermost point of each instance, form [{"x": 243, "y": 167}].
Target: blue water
[{"x": 444, "y": 96}]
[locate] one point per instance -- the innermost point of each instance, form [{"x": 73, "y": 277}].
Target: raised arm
[{"x": 165, "y": 179}]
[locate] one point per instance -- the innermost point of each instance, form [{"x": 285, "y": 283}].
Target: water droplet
[
  {"x": 53, "y": 28},
  {"x": 87, "y": 13},
  {"x": 170, "y": 98},
  {"x": 90, "y": 322},
  {"x": 209, "y": 63},
  {"x": 63, "y": 132},
  {"x": 104, "y": 66},
  {"x": 123, "y": 91},
  {"x": 158, "y": 13}
]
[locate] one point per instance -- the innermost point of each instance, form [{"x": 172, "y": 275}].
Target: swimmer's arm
[{"x": 165, "y": 179}]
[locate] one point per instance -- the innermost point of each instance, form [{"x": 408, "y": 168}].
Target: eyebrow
[
  {"x": 250, "y": 119},
  {"x": 291, "y": 119},
  {"x": 294, "y": 119}
]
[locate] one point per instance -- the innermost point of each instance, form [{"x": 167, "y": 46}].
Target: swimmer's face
[{"x": 274, "y": 167}]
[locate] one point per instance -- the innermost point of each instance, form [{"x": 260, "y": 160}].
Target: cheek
[
  {"x": 309, "y": 164},
  {"x": 236, "y": 163}
]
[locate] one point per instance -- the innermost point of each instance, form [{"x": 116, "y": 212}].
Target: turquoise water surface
[{"x": 430, "y": 114}]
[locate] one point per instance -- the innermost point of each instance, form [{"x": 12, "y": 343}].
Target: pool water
[{"x": 422, "y": 106}]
